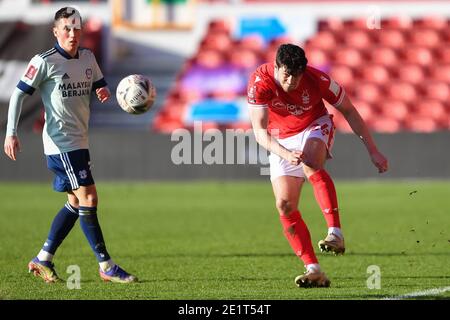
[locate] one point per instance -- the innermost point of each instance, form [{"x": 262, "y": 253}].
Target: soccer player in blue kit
[{"x": 66, "y": 75}]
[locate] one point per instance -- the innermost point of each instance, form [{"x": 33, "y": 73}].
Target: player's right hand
[
  {"x": 295, "y": 157},
  {"x": 12, "y": 145},
  {"x": 380, "y": 161}
]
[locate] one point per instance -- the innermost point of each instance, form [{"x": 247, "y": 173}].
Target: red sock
[
  {"x": 298, "y": 236},
  {"x": 325, "y": 194}
]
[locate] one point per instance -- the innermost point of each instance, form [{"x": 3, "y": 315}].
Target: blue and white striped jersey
[{"x": 66, "y": 84}]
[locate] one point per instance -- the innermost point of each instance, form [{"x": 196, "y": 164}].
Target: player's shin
[
  {"x": 299, "y": 238},
  {"x": 61, "y": 226},
  {"x": 326, "y": 197},
  {"x": 91, "y": 228}
]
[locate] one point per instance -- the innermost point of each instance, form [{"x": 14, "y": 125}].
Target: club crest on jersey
[
  {"x": 31, "y": 72},
  {"x": 305, "y": 97},
  {"x": 89, "y": 73}
]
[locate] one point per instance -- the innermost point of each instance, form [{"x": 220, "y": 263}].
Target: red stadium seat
[
  {"x": 270, "y": 55},
  {"x": 384, "y": 56},
  {"x": 418, "y": 55},
  {"x": 342, "y": 74},
  {"x": 223, "y": 94},
  {"x": 425, "y": 125},
  {"x": 357, "y": 39},
  {"x": 243, "y": 58},
  {"x": 356, "y": 23},
  {"x": 184, "y": 95},
  {"x": 391, "y": 38},
  {"x": 424, "y": 37},
  {"x": 348, "y": 56},
  {"x": 253, "y": 42},
  {"x": 385, "y": 125},
  {"x": 209, "y": 58},
  {"x": 220, "y": 25},
  {"x": 443, "y": 54},
  {"x": 441, "y": 73},
  {"x": 445, "y": 34},
  {"x": 411, "y": 73},
  {"x": 366, "y": 110},
  {"x": 174, "y": 110},
  {"x": 339, "y": 121},
  {"x": 394, "y": 109},
  {"x": 401, "y": 91},
  {"x": 166, "y": 126},
  {"x": 218, "y": 41},
  {"x": 331, "y": 24},
  {"x": 396, "y": 22},
  {"x": 433, "y": 109},
  {"x": 431, "y": 22},
  {"x": 375, "y": 73},
  {"x": 367, "y": 92},
  {"x": 437, "y": 90},
  {"x": 317, "y": 57},
  {"x": 324, "y": 40}
]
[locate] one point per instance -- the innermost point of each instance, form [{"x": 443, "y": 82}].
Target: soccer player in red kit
[{"x": 290, "y": 120}]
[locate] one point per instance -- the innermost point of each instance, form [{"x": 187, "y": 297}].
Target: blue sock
[
  {"x": 93, "y": 232},
  {"x": 61, "y": 226}
]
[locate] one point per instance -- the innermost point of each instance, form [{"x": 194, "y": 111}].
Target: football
[{"x": 135, "y": 94}]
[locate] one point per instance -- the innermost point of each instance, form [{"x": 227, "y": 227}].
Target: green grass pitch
[{"x": 213, "y": 240}]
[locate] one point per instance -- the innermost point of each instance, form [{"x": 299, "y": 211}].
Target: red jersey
[{"x": 291, "y": 113}]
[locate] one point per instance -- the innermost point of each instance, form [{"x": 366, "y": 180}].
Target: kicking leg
[{"x": 315, "y": 155}]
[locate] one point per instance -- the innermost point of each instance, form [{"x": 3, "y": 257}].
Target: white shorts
[{"x": 323, "y": 128}]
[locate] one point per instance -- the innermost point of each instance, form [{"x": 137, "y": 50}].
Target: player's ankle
[
  {"x": 313, "y": 267},
  {"x": 336, "y": 231}
]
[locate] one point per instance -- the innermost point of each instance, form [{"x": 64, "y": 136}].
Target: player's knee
[
  {"x": 74, "y": 203},
  {"x": 284, "y": 206},
  {"x": 311, "y": 167},
  {"x": 290, "y": 230},
  {"x": 91, "y": 200}
]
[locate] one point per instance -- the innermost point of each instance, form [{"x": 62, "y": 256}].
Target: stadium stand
[{"x": 395, "y": 87}]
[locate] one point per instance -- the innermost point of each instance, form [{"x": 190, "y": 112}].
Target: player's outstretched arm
[
  {"x": 259, "y": 118},
  {"x": 360, "y": 129},
  {"x": 12, "y": 142},
  {"x": 103, "y": 94}
]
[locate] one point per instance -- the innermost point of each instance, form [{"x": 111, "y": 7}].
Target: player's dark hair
[
  {"x": 292, "y": 57},
  {"x": 64, "y": 13}
]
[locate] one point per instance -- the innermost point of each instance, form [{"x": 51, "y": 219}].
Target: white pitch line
[{"x": 430, "y": 292}]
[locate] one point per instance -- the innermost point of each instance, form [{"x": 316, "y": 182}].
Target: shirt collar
[{"x": 64, "y": 53}]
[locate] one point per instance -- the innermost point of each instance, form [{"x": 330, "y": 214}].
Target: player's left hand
[
  {"x": 295, "y": 157},
  {"x": 379, "y": 161},
  {"x": 103, "y": 94}
]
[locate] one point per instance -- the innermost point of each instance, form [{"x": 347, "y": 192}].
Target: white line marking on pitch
[{"x": 430, "y": 292}]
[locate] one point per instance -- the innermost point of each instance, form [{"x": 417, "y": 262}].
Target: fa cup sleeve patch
[{"x": 31, "y": 72}]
